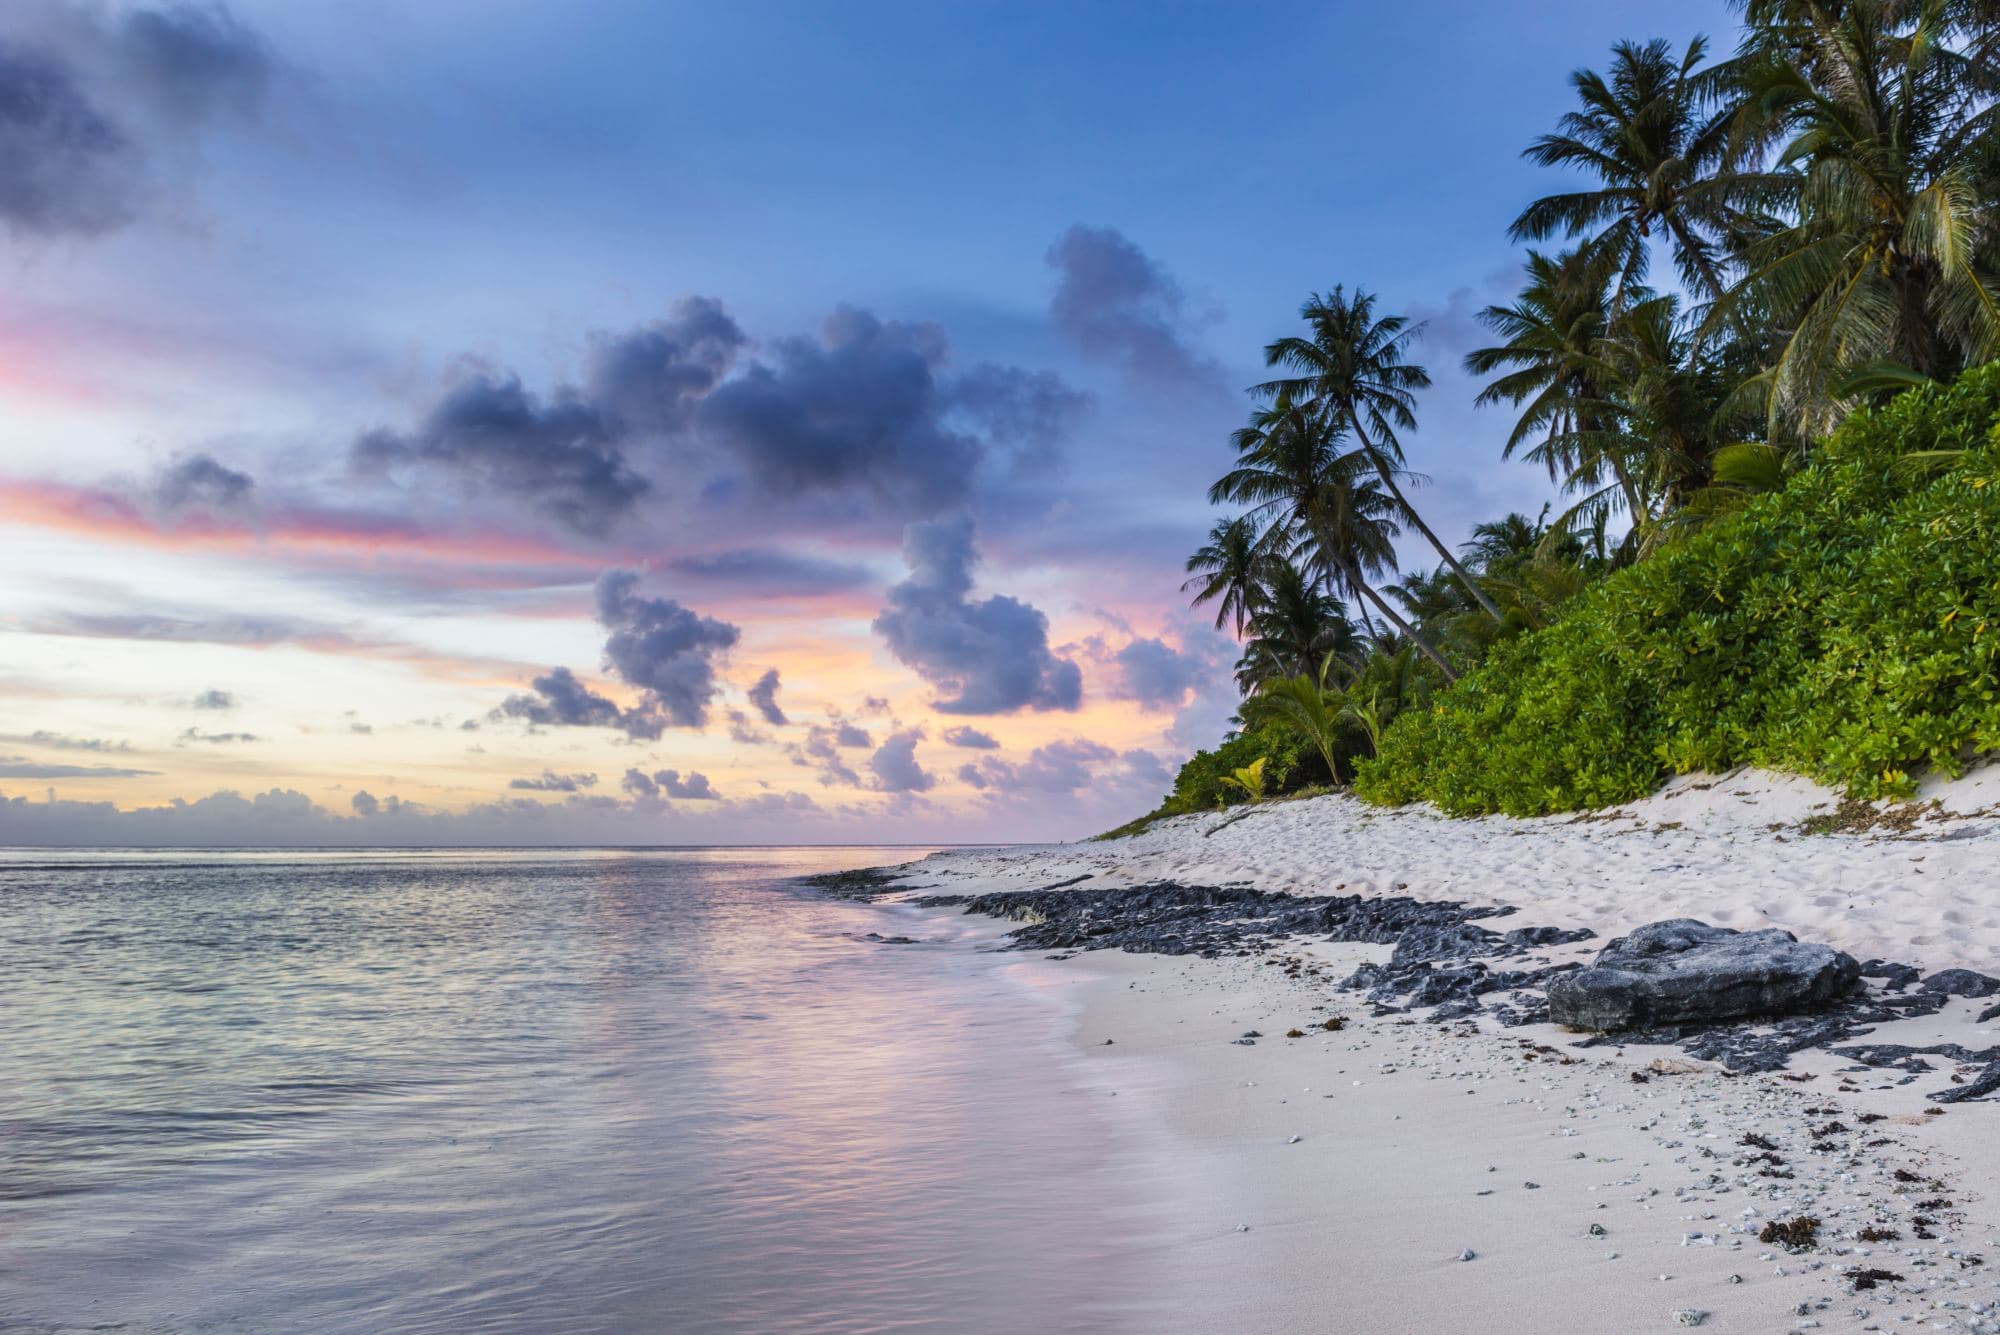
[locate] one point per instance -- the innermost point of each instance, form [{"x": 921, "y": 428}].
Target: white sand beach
[{"x": 1340, "y": 1180}]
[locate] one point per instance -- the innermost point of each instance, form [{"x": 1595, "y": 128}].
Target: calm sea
[{"x": 597, "y": 1090}]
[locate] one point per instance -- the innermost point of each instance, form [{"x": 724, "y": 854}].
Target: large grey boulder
[{"x": 1681, "y": 971}]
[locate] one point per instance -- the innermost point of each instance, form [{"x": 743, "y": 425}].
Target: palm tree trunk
[
  {"x": 1640, "y": 514},
  {"x": 1389, "y": 479},
  {"x": 1332, "y": 587},
  {"x": 1360, "y": 586}
]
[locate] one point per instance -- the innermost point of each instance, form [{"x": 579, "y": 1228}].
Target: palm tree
[
  {"x": 1294, "y": 624},
  {"x": 1644, "y": 135},
  {"x": 1882, "y": 114},
  {"x": 1309, "y": 704},
  {"x": 1509, "y": 540},
  {"x": 1323, "y": 503},
  {"x": 1553, "y": 361},
  {"x": 1673, "y": 404},
  {"x": 1352, "y": 368},
  {"x": 1431, "y": 597},
  {"x": 1225, "y": 570},
  {"x": 1387, "y": 685},
  {"x": 1629, "y": 394}
]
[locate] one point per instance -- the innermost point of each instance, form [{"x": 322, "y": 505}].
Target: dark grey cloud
[
  {"x": 64, "y": 167},
  {"x": 214, "y": 738},
  {"x": 764, "y": 695},
  {"x": 561, "y": 700},
  {"x": 1155, "y": 674},
  {"x": 1119, "y": 305},
  {"x": 559, "y": 455},
  {"x": 778, "y": 804},
  {"x": 655, "y": 644},
  {"x": 648, "y": 379},
  {"x": 1029, "y": 412},
  {"x": 198, "y": 482},
  {"x": 695, "y": 788},
  {"x": 61, "y": 741},
  {"x": 755, "y": 570},
  {"x": 971, "y": 738},
  {"x": 214, "y": 699},
  {"x": 1058, "y": 767},
  {"x": 669, "y": 783},
  {"x": 88, "y": 104},
  {"x": 364, "y": 803},
  {"x": 741, "y": 729},
  {"x": 869, "y": 408},
  {"x": 548, "y": 781},
  {"x": 195, "y": 62},
  {"x": 859, "y": 407},
  {"x": 662, "y": 647},
  {"x": 20, "y": 767},
  {"x": 821, "y": 751},
  {"x": 864, "y": 417},
  {"x": 896, "y": 767},
  {"x": 985, "y": 657}
]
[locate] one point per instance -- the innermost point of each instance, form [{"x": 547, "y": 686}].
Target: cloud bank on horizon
[{"x": 398, "y": 467}]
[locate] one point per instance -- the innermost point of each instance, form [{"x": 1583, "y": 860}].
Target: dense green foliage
[
  {"x": 1289, "y": 765},
  {"x": 1843, "y": 628}
]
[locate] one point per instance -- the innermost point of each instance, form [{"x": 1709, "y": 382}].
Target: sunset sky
[{"x": 524, "y": 422}]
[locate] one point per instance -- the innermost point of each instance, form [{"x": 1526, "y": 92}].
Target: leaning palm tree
[
  {"x": 1352, "y": 368},
  {"x": 1883, "y": 113},
  {"x": 1323, "y": 503},
  {"x": 1225, "y": 570},
  {"x": 1657, "y": 154}
]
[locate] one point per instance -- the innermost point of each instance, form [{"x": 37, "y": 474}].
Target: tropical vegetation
[{"x": 1747, "y": 352}]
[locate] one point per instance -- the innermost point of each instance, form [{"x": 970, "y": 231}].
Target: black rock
[
  {"x": 1529, "y": 937},
  {"x": 863, "y": 883},
  {"x": 1455, "y": 941},
  {"x": 1978, "y": 1087},
  {"x": 1961, "y": 983},
  {"x": 1165, "y": 918},
  {"x": 1895, "y": 977},
  {"x": 1681, "y": 971}
]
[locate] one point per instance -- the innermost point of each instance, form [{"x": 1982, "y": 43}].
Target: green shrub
[
  {"x": 1843, "y": 628},
  {"x": 1289, "y": 764}
]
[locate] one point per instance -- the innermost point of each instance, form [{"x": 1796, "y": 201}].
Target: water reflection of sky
[{"x": 596, "y": 1090}]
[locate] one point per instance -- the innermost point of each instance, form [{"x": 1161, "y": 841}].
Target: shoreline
[{"x": 1343, "y": 1175}]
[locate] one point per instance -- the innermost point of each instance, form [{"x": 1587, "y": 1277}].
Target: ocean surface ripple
[{"x": 593, "y": 1090}]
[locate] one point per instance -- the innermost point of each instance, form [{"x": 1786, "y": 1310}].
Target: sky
[{"x": 641, "y": 423}]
